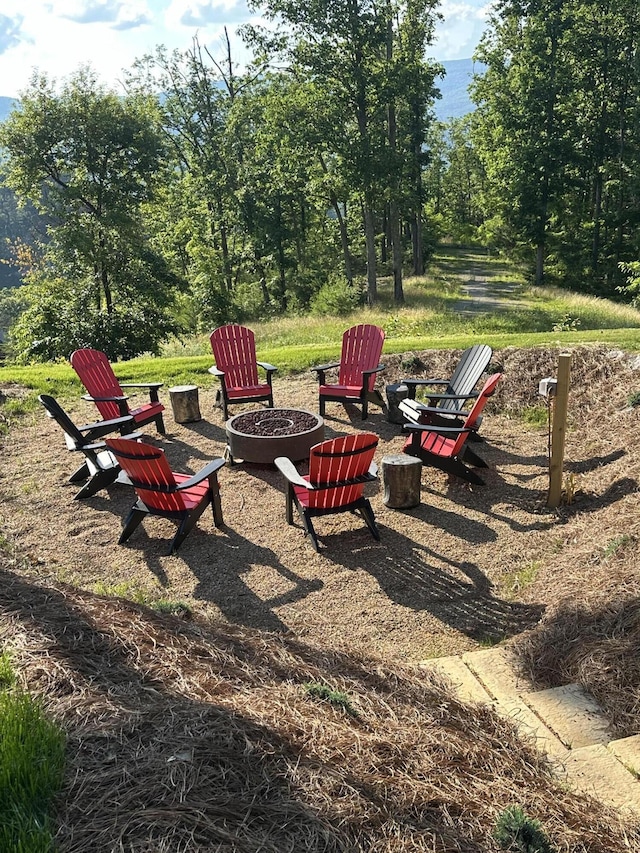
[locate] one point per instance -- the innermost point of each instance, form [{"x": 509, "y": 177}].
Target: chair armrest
[
  {"x": 100, "y": 445},
  {"x": 266, "y": 366},
  {"x": 215, "y": 372},
  {"x": 322, "y": 367},
  {"x": 103, "y": 427},
  {"x": 152, "y": 388},
  {"x": 209, "y": 469},
  {"x": 471, "y": 396},
  {"x": 440, "y": 430},
  {"x": 374, "y": 370},
  {"x": 412, "y": 384},
  {"x": 150, "y": 385},
  {"x": 121, "y": 399},
  {"x": 286, "y": 467}
]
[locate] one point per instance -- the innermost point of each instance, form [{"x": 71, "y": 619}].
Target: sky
[{"x": 58, "y": 36}]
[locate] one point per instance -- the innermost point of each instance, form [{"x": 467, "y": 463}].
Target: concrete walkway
[{"x": 565, "y": 722}]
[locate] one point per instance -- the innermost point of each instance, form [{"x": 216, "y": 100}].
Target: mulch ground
[{"x": 469, "y": 565}]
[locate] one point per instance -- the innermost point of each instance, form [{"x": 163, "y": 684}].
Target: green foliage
[
  {"x": 556, "y": 133},
  {"x": 173, "y": 608},
  {"x": 615, "y": 545},
  {"x": 336, "y": 298},
  {"x": 7, "y": 676},
  {"x": 90, "y": 160},
  {"x": 633, "y": 400},
  {"x": 535, "y": 416},
  {"x": 517, "y": 832},
  {"x": 335, "y": 697},
  {"x": 567, "y": 324},
  {"x": 31, "y": 771}
]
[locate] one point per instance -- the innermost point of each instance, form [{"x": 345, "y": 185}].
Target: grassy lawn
[{"x": 428, "y": 320}]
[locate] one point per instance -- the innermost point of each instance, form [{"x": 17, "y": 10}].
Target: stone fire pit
[{"x": 264, "y": 434}]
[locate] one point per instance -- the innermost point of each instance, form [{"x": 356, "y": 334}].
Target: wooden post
[{"x": 558, "y": 431}]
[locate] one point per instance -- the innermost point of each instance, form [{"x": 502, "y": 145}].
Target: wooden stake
[{"x": 559, "y": 429}]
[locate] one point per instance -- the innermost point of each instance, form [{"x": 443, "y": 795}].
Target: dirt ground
[{"x": 468, "y": 565}]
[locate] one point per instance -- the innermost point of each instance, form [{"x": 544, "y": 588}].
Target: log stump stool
[
  {"x": 395, "y": 395},
  {"x": 185, "y": 404},
  {"x": 401, "y": 476}
]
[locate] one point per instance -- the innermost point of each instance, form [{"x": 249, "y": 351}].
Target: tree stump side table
[
  {"x": 401, "y": 476},
  {"x": 395, "y": 395},
  {"x": 185, "y": 403}
]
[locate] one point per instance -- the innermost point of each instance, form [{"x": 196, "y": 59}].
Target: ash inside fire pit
[
  {"x": 269, "y": 422},
  {"x": 264, "y": 434}
]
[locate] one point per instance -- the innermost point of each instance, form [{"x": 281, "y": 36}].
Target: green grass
[
  {"x": 337, "y": 698},
  {"x": 31, "y": 769},
  {"x": 428, "y": 321}
]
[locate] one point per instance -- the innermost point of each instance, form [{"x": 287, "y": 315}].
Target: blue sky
[{"x": 57, "y": 36}]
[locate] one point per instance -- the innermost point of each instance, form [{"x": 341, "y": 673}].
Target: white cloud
[
  {"x": 457, "y": 36},
  {"x": 120, "y": 14},
  {"x": 10, "y": 31},
  {"x": 202, "y": 13}
]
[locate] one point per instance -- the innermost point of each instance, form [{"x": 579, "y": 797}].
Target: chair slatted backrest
[
  {"x": 234, "y": 349},
  {"x": 147, "y": 466},
  {"x": 361, "y": 350},
  {"x": 464, "y": 378},
  {"x": 471, "y": 420},
  {"x": 72, "y": 435},
  {"x": 337, "y": 460},
  {"x": 97, "y": 376}
]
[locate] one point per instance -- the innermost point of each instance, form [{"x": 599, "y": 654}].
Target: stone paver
[
  {"x": 595, "y": 771},
  {"x": 566, "y": 723},
  {"x": 465, "y": 683},
  {"x": 494, "y": 668},
  {"x": 627, "y": 750},
  {"x": 532, "y": 726},
  {"x": 572, "y": 714}
]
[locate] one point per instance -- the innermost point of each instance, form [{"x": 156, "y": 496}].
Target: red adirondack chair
[
  {"x": 234, "y": 349},
  {"x": 97, "y": 376},
  {"x": 447, "y": 447},
  {"x": 162, "y": 492},
  {"x": 100, "y": 468},
  {"x": 338, "y": 470},
  {"x": 358, "y": 365}
]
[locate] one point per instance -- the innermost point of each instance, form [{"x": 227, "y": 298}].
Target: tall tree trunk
[
  {"x": 394, "y": 212},
  {"x": 342, "y": 226},
  {"x": 416, "y": 242},
  {"x": 370, "y": 239},
  {"x": 540, "y": 253}
]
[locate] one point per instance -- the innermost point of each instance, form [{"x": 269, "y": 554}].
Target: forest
[{"x": 203, "y": 193}]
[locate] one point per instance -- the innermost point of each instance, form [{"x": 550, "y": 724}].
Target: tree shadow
[
  {"x": 141, "y": 739},
  {"x": 456, "y": 593}
]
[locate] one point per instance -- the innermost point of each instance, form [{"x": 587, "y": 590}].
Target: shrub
[
  {"x": 519, "y": 833},
  {"x": 336, "y": 298}
]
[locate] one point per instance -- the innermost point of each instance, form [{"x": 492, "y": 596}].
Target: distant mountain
[
  {"x": 6, "y": 105},
  {"x": 455, "y": 101}
]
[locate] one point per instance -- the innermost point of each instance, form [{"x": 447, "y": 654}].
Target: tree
[
  {"x": 355, "y": 51},
  {"x": 521, "y": 128},
  {"x": 89, "y": 160}
]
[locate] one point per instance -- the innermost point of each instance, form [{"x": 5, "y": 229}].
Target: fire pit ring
[{"x": 262, "y": 435}]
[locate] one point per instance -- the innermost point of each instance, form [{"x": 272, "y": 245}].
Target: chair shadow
[
  {"x": 219, "y": 570},
  {"x": 456, "y": 593}
]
